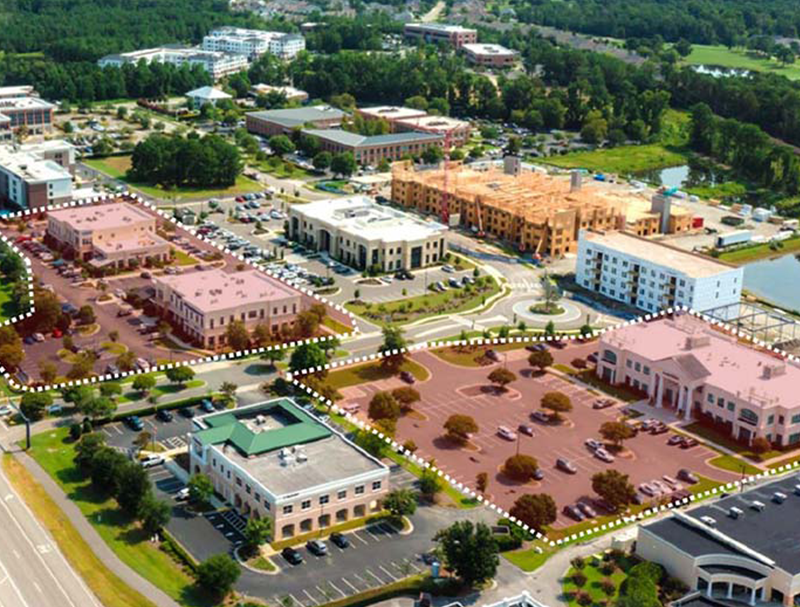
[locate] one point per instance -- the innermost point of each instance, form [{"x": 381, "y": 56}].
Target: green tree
[
  {"x": 217, "y": 574},
  {"x": 134, "y": 486},
  {"x": 153, "y": 514},
  {"x": 400, "y": 502},
  {"x": 86, "y": 315},
  {"x": 274, "y": 355},
  {"x": 470, "y": 551},
  {"x": 384, "y": 406},
  {"x": 557, "y": 403},
  {"x": 237, "y": 336},
  {"x": 180, "y": 375},
  {"x": 256, "y": 532},
  {"x": 281, "y": 145},
  {"x": 406, "y": 396},
  {"x": 393, "y": 347},
  {"x": 537, "y": 511},
  {"x": 110, "y": 389},
  {"x": 86, "y": 448},
  {"x": 616, "y": 432},
  {"x": 501, "y": 377},
  {"x": 98, "y": 408},
  {"x": 614, "y": 487},
  {"x": 429, "y": 483},
  {"x": 143, "y": 383},
  {"x": 306, "y": 356},
  {"x": 343, "y": 164},
  {"x": 540, "y": 359},
  {"x": 370, "y": 442},
  {"x": 459, "y": 428},
  {"x": 433, "y": 154},
  {"x": 322, "y": 161},
  {"x": 34, "y": 404},
  {"x": 200, "y": 488},
  {"x": 521, "y": 467}
]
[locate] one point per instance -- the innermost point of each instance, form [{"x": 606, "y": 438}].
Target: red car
[{"x": 57, "y": 333}]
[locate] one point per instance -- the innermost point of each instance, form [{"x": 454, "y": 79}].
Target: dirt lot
[{"x": 455, "y": 389}]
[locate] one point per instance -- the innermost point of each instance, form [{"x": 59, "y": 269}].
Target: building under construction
[{"x": 536, "y": 212}]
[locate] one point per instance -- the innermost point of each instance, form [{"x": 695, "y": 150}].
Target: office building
[
  {"x": 274, "y": 460},
  {"x": 490, "y": 55},
  {"x": 651, "y": 275},
  {"x": 202, "y": 305},
  {"x": 371, "y": 149},
  {"x": 390, "y": 113},
  {"x": 36, "y": 175},
  {"x": 291, "y": 93},
  {"x": 403, "y": 119},
  {"x": 110, "y": 236},
  {"x": 17, "y": 110},
  {"x": 436, "y": 33},
  {"x": 740, "y": 549},
  {"x": 216, "y": 63},
  {"x": 703, "y": 374},
  {"x": 253, "y": 43},
  {"x": 283, "y": 122},
  {"x": 361, "y": 233}
]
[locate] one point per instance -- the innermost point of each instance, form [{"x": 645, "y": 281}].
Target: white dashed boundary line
[
  {"x": 472, "y": 494},
  {"x": 136, "y": 199}
]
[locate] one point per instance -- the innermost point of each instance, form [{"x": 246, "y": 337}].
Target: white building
[
  {"x": 206, "y": 94},
  {"x": 36, "y": 175},
  {"x": 291, "y": 93},
  {"x": 217, "y": 64},
  {"x": 489, "y": 55},
  {"x": 287, "y": 46},
  {"x": 361, "y": 233},
  {"x": 253, "y": 43},
  {"x": 274, "y": 460},
  {"x": 653, "y": 276}
]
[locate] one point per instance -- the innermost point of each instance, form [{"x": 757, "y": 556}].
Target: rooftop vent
[
  {"x": 301, "y": 457},
  {"x": 697, "y": 341},
  {"x": 773, "y": 369}
]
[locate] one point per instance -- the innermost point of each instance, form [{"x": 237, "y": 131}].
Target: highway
[{"x": 33, "y": 572}]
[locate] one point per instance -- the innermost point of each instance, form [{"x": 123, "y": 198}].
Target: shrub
[
  {"x": 583, "y": 598},
  {"x": 578, "y": 563},
  {"x": 507, "y": 542},
  {"x": 579, "y": 579}
]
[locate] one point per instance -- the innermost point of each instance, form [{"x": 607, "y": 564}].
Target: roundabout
[{"x": 570, "y": 312}]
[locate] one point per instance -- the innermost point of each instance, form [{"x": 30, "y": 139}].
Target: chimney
[
  {"x": 575, "y": 180},
  {"x": 512, "y": 165}
]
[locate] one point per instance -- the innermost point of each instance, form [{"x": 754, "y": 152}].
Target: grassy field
[
  {"x": 734, "y": 464},
  {"x": 622, "y": 160},
  {"x": 109, "y": 589},
  {"x": 739, "y": 58},
  {"x": 162, "y": 390},
  {"x": 369, "y": 372},
  {"x": 761, "y": 251},
  {"x": 55, "y": 453},
  {"x": 723, "y": 440},
  {"x": 528, "y": 559},
  {"x": 117, "y": 166}
]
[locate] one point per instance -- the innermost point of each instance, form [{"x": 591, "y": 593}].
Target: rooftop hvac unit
[
  {"x": 301, "y": 457},
  {"x": 283, "y": 453},
  {"x": 260, "y": 419},
  {"x": 288, "y": 459}
]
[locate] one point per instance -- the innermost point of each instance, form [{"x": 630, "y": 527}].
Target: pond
[
  {"x": 776, "y": 280},
  {"x": 682, "y": 176}
]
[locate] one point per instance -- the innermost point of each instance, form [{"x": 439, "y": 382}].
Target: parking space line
[
  {"x": 392, "y": 577},
  {"x": 355, "y": 590},
  {"x": 294, "y": 598},
  {"x": 361, "y": 539},
  {"x": 332, "y": 585},
  {"x": 313, "y": 600},
  {"x": 380, "y": 581}
]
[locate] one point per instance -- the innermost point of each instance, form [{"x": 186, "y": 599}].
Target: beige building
[
  {"x": 108, "y": 235},
  {"x": 274, "y": 460},
  {"x": 202, "y": 305}
]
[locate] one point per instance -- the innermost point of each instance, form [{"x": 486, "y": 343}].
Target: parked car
[
  {"x": 593, "y": 444},
  {"x": 292, "y": 556},
  {"x": 317, "y": 547},
  {"x": 187, "y": 412},
  {"x": 540, "y": 416},
  {"x": 566, "y": 466},
  {"x": 539, "y": 347},
  {"x": 448, "y": 268},
  {"x": 506, "y": 433},
  {"x": 603, "y": 455},
  {"x": 687, "y": 476},
  {"x": 407, "y": 377},
  {"x": 573, "y": 512},
  {"x": 603, "y": 403},
  {"x": 492, "y": 355},
  {"x": 587, "y": 510},
  {"x": 525, "y": 429},
  {"x": 151, "y": 460},
  {"x": 660, "y": 429},
  {"x": 207, "y": 405},
  {"x": 340, "y": 540},
  {"x": 538, "y": 474},
  {"x": 38, "y": 337},
  {"x": 688, "y": 443},
  {"x": 182, "y": 494},
  {"x": 675, "y": 439},
  {"x": 134, "y": 423}
]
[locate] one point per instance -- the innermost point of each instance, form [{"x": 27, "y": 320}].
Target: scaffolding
[{"x": 760, "y": 322}]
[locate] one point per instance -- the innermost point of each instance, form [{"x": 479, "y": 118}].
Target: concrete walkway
[{"x": 90, "y": 535}]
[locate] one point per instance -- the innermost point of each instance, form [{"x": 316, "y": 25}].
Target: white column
[
  {"x": 680, "y": 400},
  {"x": 660, "y": 392},
  {"x": 730, "y": 590},
  {"x": 753, "y": 596},
  {"x": 709, "y": 588}
]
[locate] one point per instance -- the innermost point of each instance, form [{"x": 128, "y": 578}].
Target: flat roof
[
  {"x": 267, "y": 438},
  {"x": 653, "y": 251},
  {"x": 299, "y": 116},
  {"x": 101, "y": 216},
  {"x": 771, "y": 533},
  {"x": 392, "y": 112},
  {"x": 487, "y": 49},
  {"x": 442, "y": 27},
  {"x": 215, "y": 290},
  {"x": 362, "y": 216},
  {"x": 719, "y": 358},
  {"x": 146, "y": 241},
  {"x": 31, "y": 167},
  {"x": 343, "y": 137},
  {"x": 437, "y": 123},
  {"x": 23, "y": 90},
  {"x": 24, "y": 103},
  {"x": 289, "y": 91}
]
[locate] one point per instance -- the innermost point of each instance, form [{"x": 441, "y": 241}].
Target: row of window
[{"x": 325, "y": 499}]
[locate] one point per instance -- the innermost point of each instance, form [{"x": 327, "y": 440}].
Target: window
[
  {"x": 376, "y": 485},
  {"x": 746, "y": 415},
  {"x": 637, "y": 366},
  {"x": 710, "y": 398},
  {"x": 360, "y": 490},
  {"x": 324, "y": 499},
  {"x": 771, "y": 419},
  {"x": 629, "y": 364},
  {"x": 305, "y": 504},
  {"x": 341, "y": 494},
  {"x": 646, "y": 370},
  {"x": 731, "y": 406},
  {"x": 796, "y": 419},
  {"x": 610, "y": 357},
  {"x": 287, "y": 509}
]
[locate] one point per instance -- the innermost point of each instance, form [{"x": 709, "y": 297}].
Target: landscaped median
[
  {"x": 54, "y": 451},
  {"x": 107, "y": 587}
]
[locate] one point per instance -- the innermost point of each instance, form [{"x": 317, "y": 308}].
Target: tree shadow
[{"x": 445, "y": 444}]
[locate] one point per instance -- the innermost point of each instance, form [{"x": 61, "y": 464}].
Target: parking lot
[
  {"x": 172, "y": 434},
  {"x": 458, "y": 390}
]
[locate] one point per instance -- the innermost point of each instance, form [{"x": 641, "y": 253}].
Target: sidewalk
[{"x": 91, "y": 536}]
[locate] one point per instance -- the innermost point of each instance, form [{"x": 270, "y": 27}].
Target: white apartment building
[
  {"x": 36, "y": 175},
  {"x": 653, "y": 276},
  {"x": 361, "y": 233},
  {"x": 253, "y": 43},
  {"x": 274, "y": 460},
  {"x": 216, "y": 63}
]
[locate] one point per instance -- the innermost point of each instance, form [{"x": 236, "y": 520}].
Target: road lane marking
[{"x": 313, "y": 600}]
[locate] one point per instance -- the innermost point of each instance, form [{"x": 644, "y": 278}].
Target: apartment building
[
  {"x": 652, "y": 275},
  {"x": 17, "y": 110},
  {"x": 283, "y": 122},
  {"x": 253, "y": 43},
  {"x": 704, "y": 374},
  {"x": 202, "y": 305},
  {"x": 274, "y": 460},
  {"x": 36, "y": 175},
  {"x": 435, "y": 33},
  {"x": 739, "y": 550},
  {"x": 361, "y": 233},
  {"x": 490, "y": 55},
  {"x": 371, "y": 149},
  {"x": 216, "y": 63},
  {"x": 109, "y": 236}
]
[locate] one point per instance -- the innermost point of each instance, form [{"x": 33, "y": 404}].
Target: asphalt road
[{"x": 33, "y": 572}]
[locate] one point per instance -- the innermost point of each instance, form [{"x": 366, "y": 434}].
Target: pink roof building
[
  {"x": 203, "y": 305},
  {"x": 685, "y": 364}
]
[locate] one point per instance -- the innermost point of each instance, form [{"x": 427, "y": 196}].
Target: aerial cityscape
[{"x": 408, "y": 303}]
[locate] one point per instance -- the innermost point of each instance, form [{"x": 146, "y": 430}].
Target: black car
[
  {"x": 207, "y": 405},
  {"x": 164, "y": 415},
  {"x": 525, "y": 429},
  {"x": 540, "y": 347},
  {"x": 187, "y": 412},
  {"x": 340, "y": 540},
  {"x": 292, "y": 555},
  {"x": 407, "y": 377}
]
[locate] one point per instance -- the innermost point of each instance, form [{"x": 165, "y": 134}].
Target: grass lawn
[
  {"x": 8, "y": 305},
  {"x": 723, "y": 440},
  {"x": 283, "y": 170},
  {"x": 164, "y": 390},
  {"x": 117, "y": 166},
  {"x": 761, "y": 251},
  {"x": 468, "y": 356},
  {"x": 336, "y": 326},
  {"x": 719, "y": 190},
  {"x": 402, "y": 311},
  {"x": 588, "y": 376},
  {"x": 734, "y": 464},
  {"x": 594, "y": 577},
  {"x": 54, "y": 452},
  {"x": 109, "y": 589},
  {"x": 722, "y": 56},
  {"x": 528, "y": 559},
  {"x": 183, "y": 259},
  {"x": 621, "y": 160},
  {"x": 261, "y": 563},
  {"x": 114, "y": 348},
  {"x": 369, "y": 372}
]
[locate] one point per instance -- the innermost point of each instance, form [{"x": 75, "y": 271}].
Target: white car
[
  {"x": 603, "y": 455},
  {"x": 182, "y": 495},
  {"x": 38, "y": 337},
  {"x": 647, "y": 490},
  {"x": 151, "y": 461},
  {"x": 593, "y": 444},
  {"x": 506, "y": 433},
  {"x": 448, "y": 268}
]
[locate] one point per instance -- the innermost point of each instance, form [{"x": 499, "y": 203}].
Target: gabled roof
[
  {"x": 688, "y": 364},
  {"x": 208, "y": 92}
]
